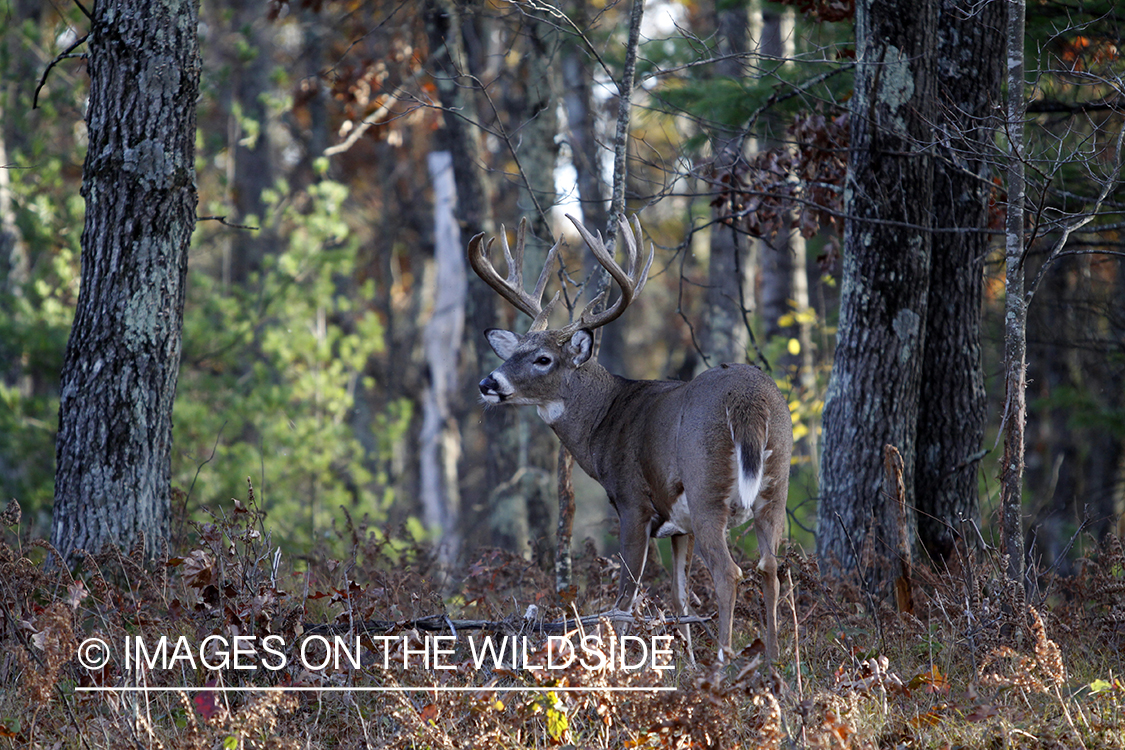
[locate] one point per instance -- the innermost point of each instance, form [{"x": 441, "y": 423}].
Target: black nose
[{"x": 488, "y": 387}]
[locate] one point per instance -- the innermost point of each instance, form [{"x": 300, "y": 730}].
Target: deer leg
[
  {"x": 769, "y": 517},
  {"x": 711, "y": 539},
  {"x": 634, "y": 553},
  {"x": 681, "y": 565},
  {"x": 770, "y": 592}
]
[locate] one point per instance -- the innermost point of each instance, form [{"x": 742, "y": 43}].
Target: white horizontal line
[{"x": 361, "y": 689}]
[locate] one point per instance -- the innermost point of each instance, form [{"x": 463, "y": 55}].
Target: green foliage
[
  {"x": 1084, "y": 409},
  {"x": 33, "y": 333},
  {"x": 721, "y": 105},
  {"x": 270, "y": 376},
  {"x": 39, "y": 280}
]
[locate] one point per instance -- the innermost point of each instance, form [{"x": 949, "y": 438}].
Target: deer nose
[{"x": 490, "y": 390}]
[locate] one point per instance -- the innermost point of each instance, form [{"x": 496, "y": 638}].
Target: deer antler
[
  {"x": 631, "y": 281},
  {"x": 511, "y": 288}
]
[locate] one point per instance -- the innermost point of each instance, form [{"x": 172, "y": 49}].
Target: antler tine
[
  {"x": 631, "y": 282},
  {"x": 511, "y": 288},
  {"x": 540, "y": 321}
]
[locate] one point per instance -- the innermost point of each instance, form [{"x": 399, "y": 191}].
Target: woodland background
[
  {"x": 814, "y": 177},
  {"x": 317, "y": 360}
]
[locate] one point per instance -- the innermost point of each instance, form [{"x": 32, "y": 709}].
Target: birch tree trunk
[
  {"x": 872, "y": 398},
  {"x": 122, "y": 359},
  {"x": 440, "y": 438},
  {"x": 1015, "y": 306}
]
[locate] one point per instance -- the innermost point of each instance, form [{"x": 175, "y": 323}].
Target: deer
[{"x": 687, "y": 460}]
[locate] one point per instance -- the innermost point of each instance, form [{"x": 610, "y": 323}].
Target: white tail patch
[{"x": 750, "y": 481}]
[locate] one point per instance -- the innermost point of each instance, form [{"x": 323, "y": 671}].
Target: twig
[
  {"x": 223, "y": 220},
  {"x": 796, "y": 634},
  {"x": 1086, "y": 218},
  {"x": 375, "y": 117},
  {"x": 65, "y": 54}
]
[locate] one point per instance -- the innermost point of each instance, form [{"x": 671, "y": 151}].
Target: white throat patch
[{"x": 551, "y": 411}]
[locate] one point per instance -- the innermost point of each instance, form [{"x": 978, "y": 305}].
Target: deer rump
[
  {"x": 691, "y": 460},
  {"x": 730, "y": 466}
]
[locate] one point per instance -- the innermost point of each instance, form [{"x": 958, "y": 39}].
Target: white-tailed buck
[{"x": 686, "y": 460}]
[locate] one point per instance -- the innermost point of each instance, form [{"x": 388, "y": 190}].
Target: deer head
[{"x": 537, "y": 362}]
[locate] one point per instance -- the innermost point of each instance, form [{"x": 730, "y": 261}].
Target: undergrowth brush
[{"x": 974, "y": 664}]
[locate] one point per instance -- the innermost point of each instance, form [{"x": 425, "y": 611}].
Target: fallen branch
[{"x": 513, "y": 624}]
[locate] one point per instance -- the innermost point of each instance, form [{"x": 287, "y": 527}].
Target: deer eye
[{"x": 543, "y": 361}]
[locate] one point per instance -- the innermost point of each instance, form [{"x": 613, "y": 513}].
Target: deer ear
[
  {"x": 503, "y": 342},
  {"x": 580, "y": 346}
]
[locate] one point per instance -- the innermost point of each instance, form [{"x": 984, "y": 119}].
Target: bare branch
[
  {"x": 223, "y": 220},
  {"x": 375, "y": 117},
  {"x": 1111, "y": 181},
  {"x": 64, "y": 55}
]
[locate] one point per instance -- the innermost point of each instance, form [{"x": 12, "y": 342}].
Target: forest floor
[{"x": 226, "y": 643}]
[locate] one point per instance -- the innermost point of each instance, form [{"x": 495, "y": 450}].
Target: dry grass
[{"x": 975, "y": 665}]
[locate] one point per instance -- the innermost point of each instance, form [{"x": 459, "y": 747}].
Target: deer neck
[{"x": 586, "y": 397}]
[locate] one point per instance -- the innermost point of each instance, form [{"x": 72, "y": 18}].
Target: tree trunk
[
  {"x": 251, "y": 165},
  {"x": 952, "y": 411},
  {"x": 122, "y": 358},
  {"x": 537, "y": 148},
  {"x": 459, "y": 137},
  {"x": 784, "y": 260},
  {"x": 777, "y": 253},
  {"x": 1015, "y": 313},
  {"x": 872, "y": 398},
  {"x": 724, "y": 333},
  {"x": 440, "y": 439},
  {"x": 1052, "y": 464},
  {"x": 20, "y": 68},
  {"x": 582, "y": 129}
]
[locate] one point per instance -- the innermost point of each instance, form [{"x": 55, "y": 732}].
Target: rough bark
[
  {"x": 123, "y": 355},
  {"x": 872, "y": 398},
  {"x": 952, "y": 411}
]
